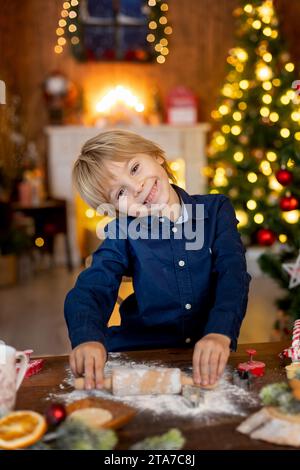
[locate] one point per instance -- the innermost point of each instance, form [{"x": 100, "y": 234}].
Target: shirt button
[
  {"x": 174, "y": 229},
  {"x": 210, "y": 251},
  {"x": 181, "y": 262},
  {"x": 188, "y": 340},
  {"x": 188, "y": 306}
]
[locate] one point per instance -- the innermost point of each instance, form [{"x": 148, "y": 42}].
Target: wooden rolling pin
[{"x": 143, "y": 381}]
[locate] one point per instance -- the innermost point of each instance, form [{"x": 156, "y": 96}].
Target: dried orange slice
[{"x": 21, "y": 429}]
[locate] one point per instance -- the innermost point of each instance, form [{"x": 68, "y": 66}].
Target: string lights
[{"x": 158, "y": 36}]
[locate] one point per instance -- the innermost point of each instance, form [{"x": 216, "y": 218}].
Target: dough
[{"x": 93, "y": 417}]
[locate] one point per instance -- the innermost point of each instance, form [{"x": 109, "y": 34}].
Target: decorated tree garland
[{"x": 255, "y": 149}]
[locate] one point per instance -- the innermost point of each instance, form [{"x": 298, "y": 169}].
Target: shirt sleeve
[
  {"x": 88, "y": 306},
  {"x": 232, "y": 278}
]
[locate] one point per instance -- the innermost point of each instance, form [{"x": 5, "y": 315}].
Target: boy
[{"x": 183, "y": 252}]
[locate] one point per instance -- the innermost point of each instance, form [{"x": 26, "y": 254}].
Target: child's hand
[
  {"x": 209, "y": 358},
  {"x": 88, "y": 359}
]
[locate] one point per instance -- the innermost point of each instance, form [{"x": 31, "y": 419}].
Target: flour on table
[{"x": 226, "y": 400}]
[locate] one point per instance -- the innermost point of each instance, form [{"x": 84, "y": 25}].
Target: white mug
[{"x": 10, "y": 379}]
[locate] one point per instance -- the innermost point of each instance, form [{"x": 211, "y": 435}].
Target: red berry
[{"x": 55, "y": 414}]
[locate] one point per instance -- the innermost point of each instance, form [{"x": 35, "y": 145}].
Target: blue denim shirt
[{"x": 180, "y": 294}]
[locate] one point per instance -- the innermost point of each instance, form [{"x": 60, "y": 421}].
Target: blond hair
[{"x": 89, "y": 172}]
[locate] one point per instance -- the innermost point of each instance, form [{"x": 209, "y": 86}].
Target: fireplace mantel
[{"x": 65, "y": 142}]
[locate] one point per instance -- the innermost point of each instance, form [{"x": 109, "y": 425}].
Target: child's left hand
[{"x": 209, "y": 358}]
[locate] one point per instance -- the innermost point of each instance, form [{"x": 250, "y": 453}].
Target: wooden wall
[{"x": 203, "y": 33}]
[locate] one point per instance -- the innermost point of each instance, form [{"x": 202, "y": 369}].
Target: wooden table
[{"x": 199, "y": 436}]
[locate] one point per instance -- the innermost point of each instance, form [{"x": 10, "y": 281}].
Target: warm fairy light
[
  {"x": 267, "y": 57},
  {"x": 66, "y": 5},
  {"x": 242, "y": 105},
  {"x": 258, "y": 218},
  {"x": 240, "y": 53},
  {"x": 213, "y": 191},
  {"x": 62, "y": 23},
  {"x": 244, "y": 84},
  {"x": 58, "y": 49},
  {"x": 164, "y": 7},
  {"x": 119, "y": 95},
  {"x": 224, "y": 109},
  {"x": 168, "y": 30},
  {"x": 263, "y": 71},
  {"x": 282, "y": 238},
  {"x": 225, "y": 128},
  {"x": 238, "y": 156},
  {"x": 251, "y": 204},
  {"x": 267, "y": 86},
  {"x": 276, "y": 82},
  {"x": 236, "y": 130},
  {"x": 160, "y": 59},
  {"x": 285, "y": 99},
  {"x": 285, "y": 133},
  {"x": 290, "y": 67},
  {"x": 72, "y": 14},
  {"x": 220, "y": 140},
  {"x": 75, "y": 40},
  {"x": 271, "y": 156},
  {"x": 274, "y": 184},
  {"x": 266, "y": 9},
  {"x": 291, "y": 217},
  {"x": 252, "y": 177},
  {"x": 164, "y": 42},
  {"x": 274, "y": 34},
  {"x": 290, "y": 163},
  {"x": 274, "y": 117},
  {"x": 237, "y": 116},
  {"x": 60, "y": 31},
  {"x": 150, "y": 38},
  {"x": 163, "y": 20},
  {"x": 64, "y": 14},
  {"x": 266, "y": 168},
  {"x": 264, "y": 111},
  {"x": 164, "y": 51},
  {"x": 290, "y": 94},
  {"x": 248, "y": 8},
  {"x": 90, "y": 213},
  {"x": 74, "y": 3},
  {"x": 297, "y": 136},
  {"x": 61, "y": 41},
  {"x": 295, "y": 116},
  {"x": 256, "y": 24},
  {"x": 267, "y": 31},
  {"x": 72, "y": 28},
  {"x": 220, "y": 180},
  {"x": 152, "y": 25},
  {"x": 215, "y": 114},
  {"x": 267, "y": 99},
  {"x": 242, "y": 217},
  {"x": 151, "y": 3},
  {"x": 39, "y": 242}
]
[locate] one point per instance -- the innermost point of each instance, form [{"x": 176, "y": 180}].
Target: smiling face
[{"x": 139, "y": 185}]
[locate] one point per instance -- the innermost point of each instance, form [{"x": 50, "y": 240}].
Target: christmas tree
[{"x": 255, "y": 151}]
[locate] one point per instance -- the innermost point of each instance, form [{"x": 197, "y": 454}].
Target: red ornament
[
  {"x": 289, "y": 203},
  {"x": 256, "y": 368},
  {"x": 265, "y": 237},
  {"x": 284, "y": 177},
  {"x": 55, "y": 414}
]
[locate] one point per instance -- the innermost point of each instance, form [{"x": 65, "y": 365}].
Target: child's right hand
[{"x": 88, "y": 359}]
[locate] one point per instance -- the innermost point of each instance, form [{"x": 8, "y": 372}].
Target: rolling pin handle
[
  {"x": 185, "y": 380},
  {"x": 79, "y": 383}
]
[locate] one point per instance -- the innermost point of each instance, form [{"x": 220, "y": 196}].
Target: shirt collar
[{"x": 190, "y": 203}]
